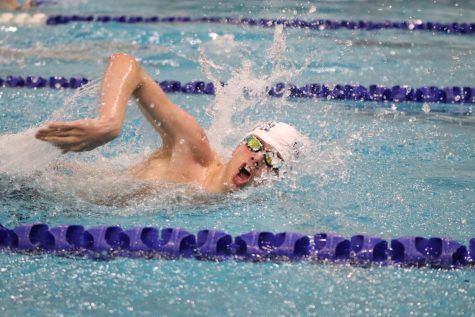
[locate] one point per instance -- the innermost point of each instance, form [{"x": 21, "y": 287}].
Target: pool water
[{"x": 378, "y": 168}]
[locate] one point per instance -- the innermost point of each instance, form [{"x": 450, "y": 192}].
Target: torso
[{"x": 179, "y": 167}]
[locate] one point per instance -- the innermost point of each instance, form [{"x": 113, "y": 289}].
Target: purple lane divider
[
  {"x": 170, "y": 85},
  {"x": 104, "y": 239},
  {"x": 291, "y": 245},
  {"x": 77, "y": 82},
  {"x": 360, "y": 93},
  {"x": 449, "y": 28},
  {"x": 14, "y": 81},
  {"x": 66, "y": 238},
  {"x": 142, "y": 239},
  {"x": 398, "y": 94},
  {"x": 194, "y": 87},
  {"x": 409, "y": 250},
  {"x": 35, "y": 82},
  {"x": 32, "y": 236},
  {"x": 58, "y": 82},
  {"x": 338, "y": 92},
  {"x": 7, "y": 237},
  {"x": 471, "y": 251},
  {"x": 296, "y": 91},
  {"x": 209, "y": 89},
  {"x": 103, "y": 18},
  {"x": 468, "y": 94},
  {"x": 177, "y": 242},
  {"x": 213, "y": 243},
  {"x": 254, "y": 244},
  {"x": 324, "y": 92},
  {"x": 277, "y": 90},
  {"x": 332, "y": 247},
  {"x": 376, "y": 93},
  {"x": 453, "y": 94},
  {"x": 369, "y": 249},
  {"x": 445, "y": 253},
  {"x": 310, "y": 90},
  {"x": 134, "y": 19}
]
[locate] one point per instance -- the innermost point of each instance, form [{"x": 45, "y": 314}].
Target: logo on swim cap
[{"x": 267, "y": 126}]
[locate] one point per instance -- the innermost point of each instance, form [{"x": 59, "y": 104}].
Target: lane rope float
[
  {"x": 216, "y": 245},
  {"x": 397, "y": 93},
  {"x": 464, "y": 28}
]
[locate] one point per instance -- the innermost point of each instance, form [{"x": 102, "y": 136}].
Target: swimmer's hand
[{"x": 78, "y": 136}]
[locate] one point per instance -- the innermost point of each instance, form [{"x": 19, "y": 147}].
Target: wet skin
[{"x": 185, "y": 156}]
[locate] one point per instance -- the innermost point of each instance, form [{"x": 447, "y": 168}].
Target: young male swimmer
[{"x": 186, "y": 155}]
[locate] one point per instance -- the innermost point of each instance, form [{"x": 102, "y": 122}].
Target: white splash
[
  {"x": 22, "y": 154},
  {"x": 246, "y": 93},
  {"x": 246, "y": 89}
]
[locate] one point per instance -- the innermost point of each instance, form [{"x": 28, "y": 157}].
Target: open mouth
[
  {"x": 245, "y": 171},
  {"x": 243, "y": 176}
]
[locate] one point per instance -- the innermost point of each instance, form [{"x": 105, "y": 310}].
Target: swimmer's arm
[
  {"x": 174, "y": 124},
  {"x": 123, "y": 78}
]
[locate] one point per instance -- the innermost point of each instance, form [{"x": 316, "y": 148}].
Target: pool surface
[{"x": 386, "y": 169}]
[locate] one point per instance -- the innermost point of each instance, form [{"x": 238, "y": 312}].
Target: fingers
[
  {"x": 65, "y": 125},
  {"x": 78, "y": 147},
  {"x": 59, "y": 133},
  {"x": 75, "y": 136},
  {"x": 62, "y": 140},
  {"x": 48, "y": 132}
]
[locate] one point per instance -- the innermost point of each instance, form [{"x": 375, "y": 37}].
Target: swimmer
[
  {"x": 14, "y": 5},
  {"x": 185, "y": 155}
]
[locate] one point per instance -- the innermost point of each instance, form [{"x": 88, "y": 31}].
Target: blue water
[{"x": 382, "y": 169}]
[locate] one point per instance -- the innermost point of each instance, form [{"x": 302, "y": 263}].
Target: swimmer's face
[{"x": 247, "y": 164}]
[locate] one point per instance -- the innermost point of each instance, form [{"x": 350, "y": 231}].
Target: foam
[{"x": 23, "y": 154}]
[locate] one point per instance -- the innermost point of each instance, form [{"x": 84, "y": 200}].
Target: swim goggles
[{"x": 270, "y": 157}]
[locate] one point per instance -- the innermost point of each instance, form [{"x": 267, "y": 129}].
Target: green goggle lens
[
  {"x": 254, "y": 144},
  {"x": 268, "y": 159}
]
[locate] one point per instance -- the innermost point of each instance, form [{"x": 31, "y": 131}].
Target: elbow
[
  {"x": 127, "y": 62},
  {"x": 124, "y": 58}
]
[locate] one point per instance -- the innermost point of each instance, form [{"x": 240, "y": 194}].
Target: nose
[{"x": 257, "y": 159}]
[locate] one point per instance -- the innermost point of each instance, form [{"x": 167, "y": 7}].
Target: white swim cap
[{"x": 281, "y": 136}]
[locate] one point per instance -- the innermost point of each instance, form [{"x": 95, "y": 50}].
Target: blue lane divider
[
  {"x": 217, "y": 245},
  {"x": 471, "y": 252},
  {"x": 141, "y": 239},
  {"x": 369, "y": 249},
  {"x": 451, "y": 28},
  {"x": 375, "y": 93},
  {"x": 254, "y": 245},
  {"x": 213, "y": 243},
  {"x": 66, "y": 238},
  {"x": 177, "y": 242},
  {"x": 332, "y": 247}
]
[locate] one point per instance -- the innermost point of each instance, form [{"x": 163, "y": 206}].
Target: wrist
[{"x": 111, "y": 127}]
